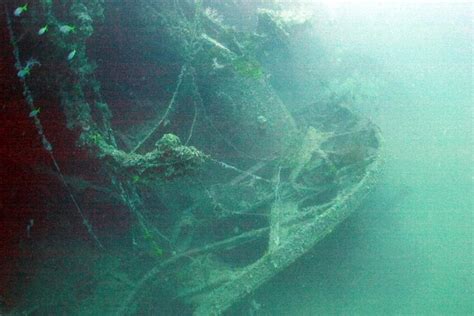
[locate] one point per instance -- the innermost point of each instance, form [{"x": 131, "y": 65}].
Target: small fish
[
  {"x": 71, "y": 55},
  {"x": 43, "y": 30},
  {"x": 23, "y": 72},
  {"x": 66, "y": 29},
  {"x": 35, "y": 112},
  {"x": 20, "y": 10}
]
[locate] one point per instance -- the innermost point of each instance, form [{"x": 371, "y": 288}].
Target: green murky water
[{"x": 409, "y": 250}]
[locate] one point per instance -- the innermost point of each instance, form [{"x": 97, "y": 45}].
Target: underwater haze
[
  {"x": 178, "y": 157},
  {"x": 409, "y": 250}
]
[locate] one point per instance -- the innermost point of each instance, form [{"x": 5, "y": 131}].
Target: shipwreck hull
[
  {"x": 301, "y": 237},
  {"x": 210, "y": 278},
  {"x": 224, "y": 186}
]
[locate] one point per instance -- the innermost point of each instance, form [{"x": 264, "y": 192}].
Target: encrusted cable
[{"x": 39, "y": 127}]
